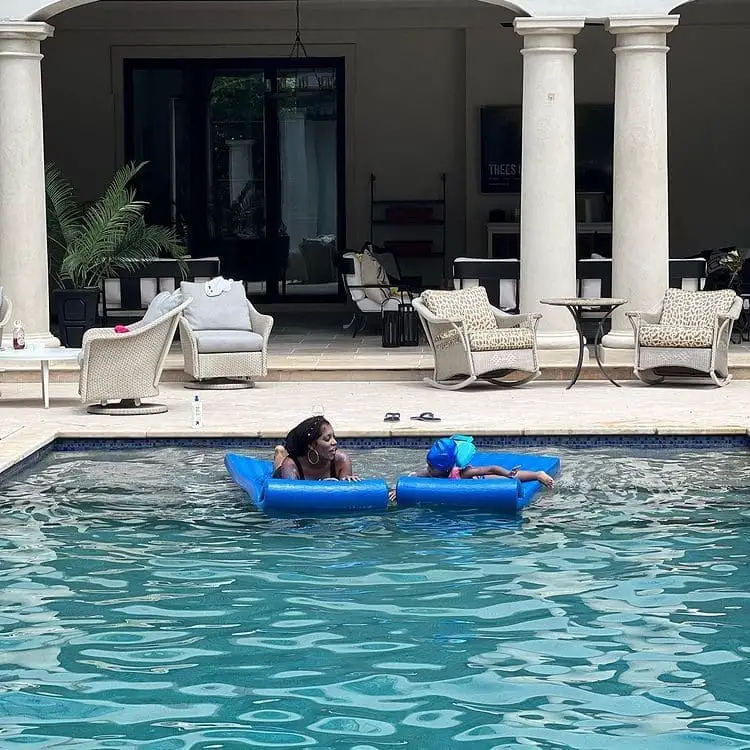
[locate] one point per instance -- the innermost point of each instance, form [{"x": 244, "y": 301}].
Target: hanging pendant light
[{"x": 299, "y": 81}]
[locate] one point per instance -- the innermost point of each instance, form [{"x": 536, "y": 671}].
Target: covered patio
[{"x": 548, "y": 34}]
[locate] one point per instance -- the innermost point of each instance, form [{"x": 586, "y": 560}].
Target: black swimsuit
[{"x": 277, "y": 472}]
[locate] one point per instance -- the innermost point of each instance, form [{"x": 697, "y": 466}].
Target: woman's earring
[{"x": 310, "y": 452}]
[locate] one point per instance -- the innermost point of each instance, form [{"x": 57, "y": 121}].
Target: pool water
[{"x": 145, "y": 605}]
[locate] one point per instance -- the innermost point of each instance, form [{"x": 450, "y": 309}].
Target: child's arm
[
  {"x": 498, "y": 471},
  {"x": 539, "y": 476},
  {"x": 484, "y": 471}
]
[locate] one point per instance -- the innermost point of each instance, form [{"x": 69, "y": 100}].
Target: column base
[
  {"x": 558, "y": 348},
  {"x": 619, "y": 340},
  {"x": 618, "y": 350}
]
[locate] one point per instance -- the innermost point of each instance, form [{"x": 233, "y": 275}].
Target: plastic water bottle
[
  {"x": 197, "y": 413},
  {"x": 19, "y": 336}
]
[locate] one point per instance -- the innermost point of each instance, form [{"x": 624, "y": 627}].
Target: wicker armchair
[
  {"x": 126, "y": 366},
  {"x": 687, "y": 334},
  {"x": 470, "y": 339},
  {"x": 6, "y": 310},
  {"x": 216, "y": 367}
]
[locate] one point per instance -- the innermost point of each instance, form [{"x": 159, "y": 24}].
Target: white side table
[{"x": 45, "y": 356}]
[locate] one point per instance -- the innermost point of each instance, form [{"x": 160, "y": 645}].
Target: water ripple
[{"x": 145, "y": 605}]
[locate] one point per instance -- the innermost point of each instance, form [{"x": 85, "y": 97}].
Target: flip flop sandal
[
  {"x": 392, "y": 416},
  {"x": 427, "y": 416}
]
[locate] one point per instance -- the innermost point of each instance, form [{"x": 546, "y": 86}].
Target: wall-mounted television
[{"x": 500, "y": 138}]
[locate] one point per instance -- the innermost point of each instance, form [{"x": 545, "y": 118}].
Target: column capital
[
  {"x": 26, "y": 31},
  {"x": 548, "y": 25},
  {"x": 642, "y": 24}
]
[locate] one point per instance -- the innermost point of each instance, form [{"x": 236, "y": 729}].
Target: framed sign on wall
[{"x": 500, "y": 148}]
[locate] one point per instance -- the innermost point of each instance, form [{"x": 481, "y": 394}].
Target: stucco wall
[{"x": 416, "y": 79}]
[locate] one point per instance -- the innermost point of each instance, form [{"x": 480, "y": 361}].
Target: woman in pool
[
  {"x": 310, "y": 452},
  {"x": 444, "y": 459}
]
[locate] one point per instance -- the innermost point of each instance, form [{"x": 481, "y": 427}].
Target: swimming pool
[{"x": 146, "y": 606}]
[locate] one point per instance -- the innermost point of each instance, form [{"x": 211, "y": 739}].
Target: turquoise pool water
[{"x": 144, "y": 605}]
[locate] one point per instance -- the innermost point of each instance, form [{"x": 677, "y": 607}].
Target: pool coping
[{"x": 22, "y": 447}]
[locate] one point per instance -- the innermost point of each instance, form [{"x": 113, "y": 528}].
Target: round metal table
[{"x": 577, "y": 306}]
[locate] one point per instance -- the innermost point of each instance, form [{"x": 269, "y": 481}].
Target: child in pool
[{"x": 450, "y": 458}]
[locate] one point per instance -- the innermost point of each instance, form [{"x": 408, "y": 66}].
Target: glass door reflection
[
  {"x": 308, "y": 178},
  {"x": 237, "y": 174}
]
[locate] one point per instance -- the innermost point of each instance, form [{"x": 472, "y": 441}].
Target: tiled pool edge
[{"x": 38, "y": 445}]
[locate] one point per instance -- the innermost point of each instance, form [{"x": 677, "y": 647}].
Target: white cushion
[
  {"x": 227, "y": 311},
  {"x": 163, "y": 303},
  {"x": 366, "y": 305},
  {"x": 228, "y": 342},
  {"x": 373, "y": 273}
]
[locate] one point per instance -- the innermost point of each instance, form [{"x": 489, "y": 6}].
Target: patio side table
[
  {"x": 577, "y": 306},
  {"x": 44, "y": 356}
]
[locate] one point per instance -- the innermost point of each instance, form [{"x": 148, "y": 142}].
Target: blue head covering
[
  {"x": 442, "y": 454},
  {"x": 465, "y": 450}
]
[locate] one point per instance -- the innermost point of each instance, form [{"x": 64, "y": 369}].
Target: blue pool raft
[{"x": 283, "y": 495}]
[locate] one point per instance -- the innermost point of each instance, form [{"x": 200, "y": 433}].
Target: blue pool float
[
  {"x": 286, "y": 495},
  {"x": 293, "y": 495},
  {"x": 501, "y": 495}
]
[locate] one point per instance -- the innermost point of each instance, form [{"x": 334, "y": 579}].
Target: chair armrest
[
  {"x": 107, "y": 334},
  {"x": 522, "y": 320},
  {"x": 734, "y": 311},
  {"x": 261, "y": 323},
  {"x": 650, "y": 317},
  {"x": 8, "y": 312}
]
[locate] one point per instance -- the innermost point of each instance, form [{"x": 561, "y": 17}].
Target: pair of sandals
[{"x": 425, "y": 416}]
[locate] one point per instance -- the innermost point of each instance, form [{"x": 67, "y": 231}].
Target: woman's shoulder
[{"x": 288, "y": 468}]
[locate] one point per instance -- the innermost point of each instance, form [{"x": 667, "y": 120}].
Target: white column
[
  {"x": 548, "y": 211},
  {"x": 640, "y": 205},
  {"x": 23, "y": 226}
]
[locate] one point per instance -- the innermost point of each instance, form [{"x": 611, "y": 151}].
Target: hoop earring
[{"x": 311, "y": 451}]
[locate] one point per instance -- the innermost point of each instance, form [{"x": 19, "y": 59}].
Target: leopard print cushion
[
  {"x": 469, "y": 305},
  {"x": 499, "y": 339},
  {"x": 695, "y": 309},
  {"x": 676, "y": 337}
]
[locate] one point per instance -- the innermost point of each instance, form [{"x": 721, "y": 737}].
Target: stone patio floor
[{"x": 357, "y": 409}]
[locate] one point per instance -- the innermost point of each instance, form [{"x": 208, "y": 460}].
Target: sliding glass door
[{"x": 245, "y": 159}]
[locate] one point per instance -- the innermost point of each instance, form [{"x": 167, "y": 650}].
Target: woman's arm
[
  {"x": 288, "y": 469},
  {"x": 343, "y": 466}
]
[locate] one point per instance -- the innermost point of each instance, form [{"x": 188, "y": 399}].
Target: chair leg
[
  {"x": 718, "y": 380},
  {"x": 648, "y": 377},
  {"x": 450, "y": 385},
  {"x": 359, "y": 324},
  {"x": 519, "y": 381}
]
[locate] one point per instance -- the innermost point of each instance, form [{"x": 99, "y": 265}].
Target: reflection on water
[{"x": 145, "y": 605}]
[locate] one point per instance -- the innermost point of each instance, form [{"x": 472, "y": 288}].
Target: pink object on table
[{"x": 122, "y": 329}]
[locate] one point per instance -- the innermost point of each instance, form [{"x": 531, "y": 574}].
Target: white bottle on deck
[{"x": 197, "y": 413}]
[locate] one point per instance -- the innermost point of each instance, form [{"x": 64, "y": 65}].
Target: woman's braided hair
[{"x": 307, "y": 431}]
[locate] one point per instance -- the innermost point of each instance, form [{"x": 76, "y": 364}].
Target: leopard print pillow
[
  {"x": 699, "y": 309},
  {"x": 469, "y": 305}
]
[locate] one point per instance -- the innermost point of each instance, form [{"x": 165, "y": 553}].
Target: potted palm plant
[{"x": 89, "y": 243}]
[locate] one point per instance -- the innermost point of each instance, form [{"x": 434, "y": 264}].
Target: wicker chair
[
  {"x": 126, "y": 366},
  {"x": 471, "y": 339},
  {"x": 212, "y": 362},
  {"x": 6, "y": 310},
  {"x": 688, "y": 334}
]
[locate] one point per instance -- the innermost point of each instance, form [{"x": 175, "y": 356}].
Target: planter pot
[{"x": 76, "y": 312}]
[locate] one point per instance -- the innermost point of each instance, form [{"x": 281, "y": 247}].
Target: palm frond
[
  {"x": 63, "y": 218},
  {"x": 113, "y": 235}
]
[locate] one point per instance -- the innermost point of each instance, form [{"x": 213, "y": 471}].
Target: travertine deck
[
  {"x": 331, "y": 353},
  {"x": 357, "y": 408}
]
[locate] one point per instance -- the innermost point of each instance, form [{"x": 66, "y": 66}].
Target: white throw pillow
[
  {"x": 227, "y": 311},
  {"x": 163, "y": 303},
  {"x": 374, "y": 273}
]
